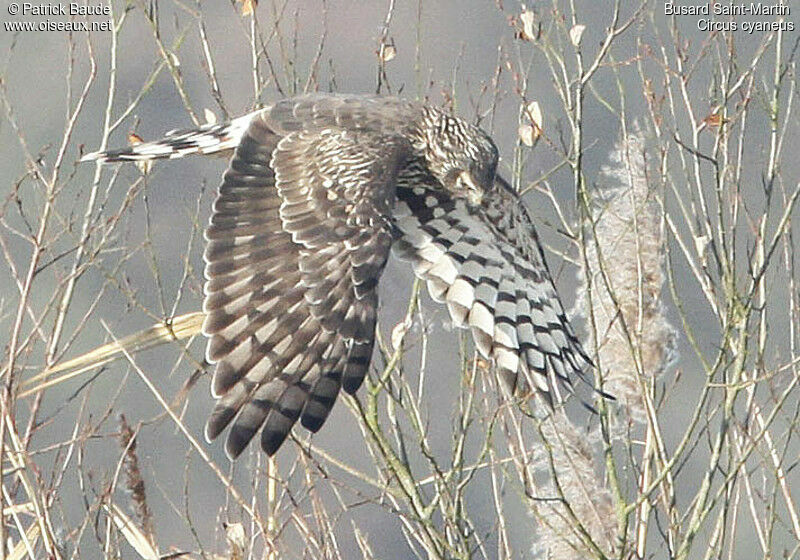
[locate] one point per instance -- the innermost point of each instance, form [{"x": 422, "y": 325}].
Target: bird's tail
[{"x": 208, "y": 139}]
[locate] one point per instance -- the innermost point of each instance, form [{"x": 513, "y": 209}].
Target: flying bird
[{"x": 319, "y": 189}]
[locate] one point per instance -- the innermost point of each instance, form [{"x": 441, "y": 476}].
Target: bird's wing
[
  {"x": 299, "y": 236},
  {"x": 313, "y": 112},
  {"x": 485, "y": 263}
]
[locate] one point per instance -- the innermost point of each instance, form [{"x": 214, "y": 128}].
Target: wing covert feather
[
  {"x": 486, "y": 264},
  {"x": 299, "y": 236}
]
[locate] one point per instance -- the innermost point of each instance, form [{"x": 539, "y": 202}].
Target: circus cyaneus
[{"x": 318, "y": 190}]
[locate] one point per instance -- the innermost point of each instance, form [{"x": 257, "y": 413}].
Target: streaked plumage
[{"x": 318, "y": 190}]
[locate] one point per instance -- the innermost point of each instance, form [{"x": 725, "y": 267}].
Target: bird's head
[{"x": 462, "y": 157}]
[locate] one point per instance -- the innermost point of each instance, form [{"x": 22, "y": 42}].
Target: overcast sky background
[{"x": 460, "y": 44}]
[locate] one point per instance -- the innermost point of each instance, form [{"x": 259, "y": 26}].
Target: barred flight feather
[{"x": 318, "y": 190}]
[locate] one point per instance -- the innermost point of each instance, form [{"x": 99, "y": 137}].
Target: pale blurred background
[{"x": 464, "y": 53}]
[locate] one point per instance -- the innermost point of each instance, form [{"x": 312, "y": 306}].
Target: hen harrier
[{"x": 317, "y": 191}]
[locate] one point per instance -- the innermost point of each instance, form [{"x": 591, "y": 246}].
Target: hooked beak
[{"x": 474, "y": 192}]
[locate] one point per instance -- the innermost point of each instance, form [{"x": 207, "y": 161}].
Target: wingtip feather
[{"x": 92, "y": 156}]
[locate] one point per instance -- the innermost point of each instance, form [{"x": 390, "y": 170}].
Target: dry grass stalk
[
  {"x": 634, "y": 338},
  {"x": 577, "y": 519},
  {"x": 134, "y": 481}
]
